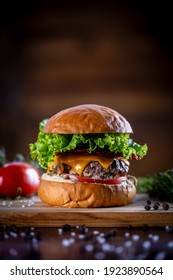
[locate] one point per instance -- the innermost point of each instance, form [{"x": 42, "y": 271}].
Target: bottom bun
[{"x": 60, "y": 192}]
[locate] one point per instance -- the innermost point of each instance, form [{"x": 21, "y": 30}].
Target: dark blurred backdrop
[{"x": 57, "y": 54}]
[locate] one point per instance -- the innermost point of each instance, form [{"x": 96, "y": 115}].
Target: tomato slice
[{"x": 115, "y": 180}]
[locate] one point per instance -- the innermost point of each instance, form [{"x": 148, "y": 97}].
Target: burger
[{"x": 85, "y": 151}]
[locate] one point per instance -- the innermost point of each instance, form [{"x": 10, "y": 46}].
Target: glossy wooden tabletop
[{"x": 82, "y": 243}]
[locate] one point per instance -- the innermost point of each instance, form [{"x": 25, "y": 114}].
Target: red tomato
[
  {"x": 115, "y": 180},
  {"x": 18, "y": 178}
]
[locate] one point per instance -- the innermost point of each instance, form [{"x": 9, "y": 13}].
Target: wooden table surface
[
  {"x": 74, "y": 243},
  {"x": 33, "y": 212},
  {"x": 113, "y": 233}
]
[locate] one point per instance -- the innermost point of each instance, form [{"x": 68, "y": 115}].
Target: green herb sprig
[{"x": 159, "y": 185}]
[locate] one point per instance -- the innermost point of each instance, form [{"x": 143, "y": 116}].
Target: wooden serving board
[{"x": 32, "y": 212}]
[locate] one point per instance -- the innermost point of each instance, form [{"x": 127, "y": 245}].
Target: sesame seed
[
  {"x": 100, "y": 256},
  {"x": 89, "y": 247},
  {"x": 135, "y": 237},
  {"x": 160, "y": 256},
  {"x": 126, "y": 234},
  {"x": 119, "y": 250},
  {"x": 66, "y": 242},
  {"x": 128, "y": 244},
  {"x": 13, "y": 252},
  {"x": 95, "y": 232},
  {"x": 170, "y": 244},
  {"x": 155, "y": 238},
  {"x": 146, "y": 244}
]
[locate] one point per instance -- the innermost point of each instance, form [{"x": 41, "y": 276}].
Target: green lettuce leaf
[{"x": 48, "y": 144}]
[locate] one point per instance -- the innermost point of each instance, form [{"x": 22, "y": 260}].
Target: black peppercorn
[
  {"x": 157, "y": 202},
  {"x": 165, "y": 206},
  {"x": 147, "y": 207},
  {"x": 82, "y": 229},
  {"x": 156, "y": 206},
  {"x": 66, "y": 227},
  {"x": 130, "y": 228},
  {"x": 145, "y": 227},
  {"x": 109, "y": 234}
]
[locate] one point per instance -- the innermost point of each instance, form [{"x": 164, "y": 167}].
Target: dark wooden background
[{"x": 57, "y": 54}]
